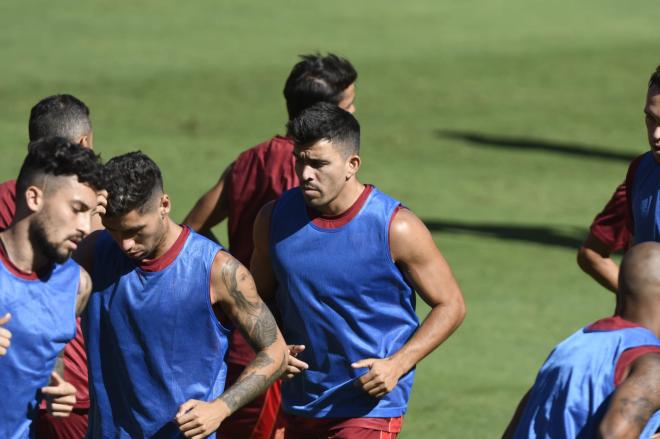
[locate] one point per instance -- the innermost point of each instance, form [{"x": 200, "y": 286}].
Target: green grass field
[{"x": 504, "y": 125}]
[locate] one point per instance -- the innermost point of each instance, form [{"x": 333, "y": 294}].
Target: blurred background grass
[{"x": 505, "y": 125}]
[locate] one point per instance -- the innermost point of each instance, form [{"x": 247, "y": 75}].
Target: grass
[{"x": 194, "y": 84}]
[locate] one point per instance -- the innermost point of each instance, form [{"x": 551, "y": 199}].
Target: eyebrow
[{"x": 81, "y": 204}]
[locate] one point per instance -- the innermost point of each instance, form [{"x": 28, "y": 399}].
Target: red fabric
[
  {"x": 610, "y": 226},
  {"x": 7, "y": 203},
  {"x": 630, "y": 355},
  {"x": 72, "y": 427},
  {"x": 161, "y": 262},
  {"x": 256, "y": 420},
  {"x": 298, "y": 427},
  {"x": 336, "y": 221},
  {"x": 614, "y": 225}
]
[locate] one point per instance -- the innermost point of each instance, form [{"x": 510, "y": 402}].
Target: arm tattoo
[
  {"x": 256, "y": 322},
  {"x": 636, "y": 410},
  {"x": 251, "y": 383}
]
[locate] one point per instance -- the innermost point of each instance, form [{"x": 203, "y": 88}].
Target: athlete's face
[
  {"x": 348, "y": 99},
  {"x": 323, "y": 170},
  {"x": 63, "y": 211},
  {"x": 141, "y": 234},
  {"x": 652, "y": 112}
]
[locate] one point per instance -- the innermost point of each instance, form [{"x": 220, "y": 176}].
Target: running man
[
  {"x": 344, "y": 261},
  {"x": 157, "y": 324},
  {"x": 42, "y": 289}
]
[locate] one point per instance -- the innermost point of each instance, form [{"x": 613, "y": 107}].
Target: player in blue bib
[
  {"x": 164, "y": 300},
  {"x": 604, "y": 380},
  {"x": 344, "y": 261},
  {"x": 41, "y": 289}
]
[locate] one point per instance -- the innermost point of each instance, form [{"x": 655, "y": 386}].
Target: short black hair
[
  {"x": 655, "y": 78},
  {"x": 324, "y": 121},
  {"x": 315, "y": 79},
  {"x": 132, "y": 180},
  {"x": 59, "y": 115},
  {"x": 58, "y": 156}
]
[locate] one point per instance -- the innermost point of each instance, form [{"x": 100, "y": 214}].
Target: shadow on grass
[
  {"x": 516, "y": 143},
  {"x": 571, "y": 238}
]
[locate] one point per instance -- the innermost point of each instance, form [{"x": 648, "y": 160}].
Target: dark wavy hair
[
  {"x": 324, "y": 121},
  {"x": 58, "y": 156},
  {"x": 131, "y": 180},
  {"x": 315, "y": 79},
  {"x": 654, "y": 80},
  {"x": 59, "y": 115}
]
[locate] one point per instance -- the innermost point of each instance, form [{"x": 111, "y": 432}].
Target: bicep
[
  {"x": 233, "y": 288},
  {"x": 420, "y": 260},
  {"x": 635, "y": 400}
]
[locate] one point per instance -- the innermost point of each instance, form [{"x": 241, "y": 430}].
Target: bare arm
[
  {"x": 417, "y": 256},
  {"x": 210, "y": 209},
  {"x": 84, "y": 290},
  {"x": 634, "y": 401},
  {"x": 594, "y": 259},
  {"x": 260, "y": 265},
  {"x": 233, "y": 289}
]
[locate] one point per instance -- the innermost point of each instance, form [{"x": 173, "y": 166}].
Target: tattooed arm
[
  {"x": 634, "y": 401},
  {"x": 234, "y": 291}
]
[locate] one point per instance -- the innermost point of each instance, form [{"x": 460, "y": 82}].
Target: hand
[
  {"x": 294, "y": 366},
  {"x": 60, "y": 396},
  {"x": 382, "y": 376},
  {"x": 101, "y": 202},
  {"x": 198, "y": 419},
  {"x": 5, "y": 335}
]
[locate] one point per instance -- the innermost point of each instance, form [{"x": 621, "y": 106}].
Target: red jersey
[
  {"x": 75, "y": 359},
  {"x": 614, "y": 225},
  {"x": 259, "y": 175}
]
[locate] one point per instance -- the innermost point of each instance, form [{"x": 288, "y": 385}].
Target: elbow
[{"x": 585, "y": 259}]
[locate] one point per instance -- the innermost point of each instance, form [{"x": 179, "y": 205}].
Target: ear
[
  {"x": 165, "y": 205},
  {"x": 87, "y": 140},
  {"x": 34, "y": 198},
  {"x": 352, "y": 166}
]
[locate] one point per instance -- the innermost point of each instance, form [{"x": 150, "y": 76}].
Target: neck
[
  {"x": 172, "y": 232},
  {"x": 20, "y": 250},
  {"x": 346, "y": 198},
  {"x": 644, "y": 314}
]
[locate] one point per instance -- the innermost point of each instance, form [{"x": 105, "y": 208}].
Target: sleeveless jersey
[
  {"x": 153, "y": 340},
  {"x": 572, "y": 390},
  {"x": 341, "y": 295},
  {"x": 43, "y": 320},
  {"x": 645, "y": 192}
]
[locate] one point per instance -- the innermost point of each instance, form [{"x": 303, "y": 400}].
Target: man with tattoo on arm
[
  {"x": 41, "y": 288},
  {"x": 604, "y": 379},
  {"x": 344, "y": 261},
  {"x": 156, "y": 327}
]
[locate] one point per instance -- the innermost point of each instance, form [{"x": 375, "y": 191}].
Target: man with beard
[
  {"x": 68, "y": 117},
  {"x": 344, "y": 261},
  {"x": 157, "y": 324},
  {"x": 42, "y": 289}
]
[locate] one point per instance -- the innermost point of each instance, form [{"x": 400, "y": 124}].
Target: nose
[
  {"x": 307, "y": 173},
  {"x": 126, "y": 244},
  {"x": 85, "y": 224},
  {"x": 655, "y": 132}
]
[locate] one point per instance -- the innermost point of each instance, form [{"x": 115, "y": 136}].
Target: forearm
[
  {"x": 268, "y": 365},
  {"x": 600, "y": 267},
  {"x": 438, "y": 325}
]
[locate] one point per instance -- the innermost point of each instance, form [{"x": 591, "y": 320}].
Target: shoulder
[
  {"x": 265, "y": 213},
  {"x": 409, "y": 236},
  {"x": 404, "y": 223},
  {"x": 275, "y": 145},
  {"x": 8, "y": 188}
]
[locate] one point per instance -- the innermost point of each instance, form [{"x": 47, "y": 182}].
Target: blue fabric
[
  {"x": 341, "y": 296},
  {"x": 43, "y": 321},
  {"x": 645, "y": 193},
  {"x": 572, "y": 389},
  {"x": 153, "y": 341}
]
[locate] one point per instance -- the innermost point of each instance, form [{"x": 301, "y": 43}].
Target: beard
[{"x": 38, "y": 236}]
